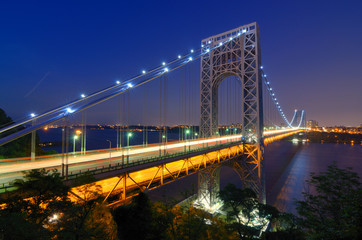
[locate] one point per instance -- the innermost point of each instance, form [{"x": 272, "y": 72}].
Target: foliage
[
  {"x": 245, "y": 214},
  {"x": 20, "y": 147},
  {"x": 42, "y": 208},
  {"x": 333, "y": 207},
  {"x": 145, "y": 220}
]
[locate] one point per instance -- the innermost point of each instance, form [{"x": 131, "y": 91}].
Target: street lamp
[
  {"x": 187, "y": 132},
  {"x": 74, "y": 138},
  {"x": 110, "y": 151},
  {"x": 128, "y": 136}
]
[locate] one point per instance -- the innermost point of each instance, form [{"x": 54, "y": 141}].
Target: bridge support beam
[
  {"x": 248, "y": 165},
  {"x": 208, "y": 188}
]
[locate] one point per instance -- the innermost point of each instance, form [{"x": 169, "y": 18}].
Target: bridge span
[
  {"x": 233, "y": 54},
  {"x": 121, "y": 171}
]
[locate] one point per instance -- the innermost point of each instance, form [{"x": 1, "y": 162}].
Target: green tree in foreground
[
  {"x": 144, "y": 220},
  {"x": 333, "y": 207},
  {"x": 41, "y": 208}
]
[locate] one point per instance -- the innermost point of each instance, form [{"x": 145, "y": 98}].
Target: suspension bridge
[{"x": 239, "y": 114}]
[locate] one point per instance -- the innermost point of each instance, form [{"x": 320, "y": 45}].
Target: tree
[
  {"x": 20, "y": 147},
  {"x": 40, "y": 195},
  {"x": 245, "y": 214},
  {"x": 134, "y": 221},
  {"x": 332, "y": 209},
  {"x": 87, "y": 217},
  {"x": 41, "y": 207}
]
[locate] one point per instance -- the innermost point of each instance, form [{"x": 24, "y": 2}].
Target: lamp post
[
  {"x": 128, "y": 136},
  {"x": 74, "y": 138},
  {"x": 110, "y": 151},
  {"x": 187, "y": 132}
]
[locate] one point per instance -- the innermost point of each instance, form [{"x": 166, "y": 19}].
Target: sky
[{"x": 51, "y": 51}]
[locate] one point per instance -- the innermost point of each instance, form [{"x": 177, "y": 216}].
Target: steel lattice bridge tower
[{"x": 238, "y": 57}]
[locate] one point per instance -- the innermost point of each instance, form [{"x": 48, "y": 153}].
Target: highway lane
[{"x": 13, "y": 168}]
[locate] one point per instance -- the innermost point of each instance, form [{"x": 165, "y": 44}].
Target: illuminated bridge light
[
  {"x": 143, "y": 71},
  {"x": 230, "y": 38},
  {"x": 69, "y": 110},
  {"x": 239, "y": 34},
  {"x": 163, "y": 63},
  {"x": 118, "y": 82},
  {"x": 243, "y": 31},
  {"x": 129, "y": 85},
  {"x": 82, "y": 95},
  {"x": 32, "y": 115},
  {"x": 192, "y": 51},
  {"x": 207, "y": 50},
  {"x": 202, "y": 45},
  {"x": 267, "y": 82},
  {"x": 179, "y": 56},
  {"x": 264, "y": 75},
  {"x": 190, "y": 58},
  {"x": 166, "y": 69},
  {"x": 261, "y": 67},
  {"x": 209, "y": 42},
  {"x": 220, "y": 44}
]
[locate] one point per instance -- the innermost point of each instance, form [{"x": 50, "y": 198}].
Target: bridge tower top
[{"x": 235, "y": 52}]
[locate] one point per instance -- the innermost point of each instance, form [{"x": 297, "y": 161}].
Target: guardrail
[{"x": 6, "y": 187}]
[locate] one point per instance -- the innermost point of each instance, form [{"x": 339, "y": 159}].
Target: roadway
[{"x": 11, "y": 169}]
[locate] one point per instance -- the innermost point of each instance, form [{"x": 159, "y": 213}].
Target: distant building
[{"x": 312, "y": 124}]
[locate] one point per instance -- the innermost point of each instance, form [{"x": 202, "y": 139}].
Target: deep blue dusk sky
[{"x": 51, "y": 51}]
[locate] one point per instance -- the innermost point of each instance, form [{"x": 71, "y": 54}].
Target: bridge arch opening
[{"x": 228, "y": 104}]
